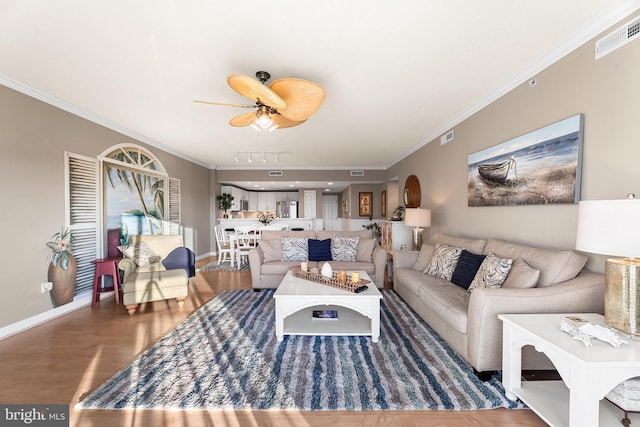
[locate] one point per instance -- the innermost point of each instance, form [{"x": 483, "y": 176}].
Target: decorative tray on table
[{"x": 333, "y": 281}]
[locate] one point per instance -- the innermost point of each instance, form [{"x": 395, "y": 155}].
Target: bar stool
[{"x": 105, "y": 267}]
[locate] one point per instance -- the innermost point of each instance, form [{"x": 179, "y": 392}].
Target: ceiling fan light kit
[{"x": 286, "y": 103}]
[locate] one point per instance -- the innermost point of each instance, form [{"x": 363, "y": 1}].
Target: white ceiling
[{"x": 397, "y": 73}]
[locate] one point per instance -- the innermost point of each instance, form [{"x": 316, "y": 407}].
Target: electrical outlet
[{"x": 46, "y": 287}]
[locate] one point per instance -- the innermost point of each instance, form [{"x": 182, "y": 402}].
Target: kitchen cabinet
[{"x": 253, "y": 200}]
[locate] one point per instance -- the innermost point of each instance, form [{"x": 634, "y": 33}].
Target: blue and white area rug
[
  {"x": 225, "y": 356},
  {"x": 224, "y": 266}
]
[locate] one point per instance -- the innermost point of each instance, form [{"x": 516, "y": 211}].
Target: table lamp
[
  {"x": 612, "y": 227},
  {"x": 417, "y": 218}
]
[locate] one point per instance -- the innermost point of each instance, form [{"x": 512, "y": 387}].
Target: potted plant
[
  {"x": 398, "y": 214},
  {"x": 375, "y": 229},
  {"x": 62, "y": 269},
  {"x": 224, "y": 203}
]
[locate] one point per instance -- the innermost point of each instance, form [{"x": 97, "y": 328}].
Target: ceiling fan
[{"x": 285, "y": 103}]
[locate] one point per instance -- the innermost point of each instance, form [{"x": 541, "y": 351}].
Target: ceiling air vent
[
  {"x": 275, "y": 173},
  {"x": 447, "y": 137},
  {"x": 618, "y": 38},
  {"x": 357, "y": 173}
]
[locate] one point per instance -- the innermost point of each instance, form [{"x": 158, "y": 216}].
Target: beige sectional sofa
[
  {"x": 268, "y": 269},
  {"x": 540, "y": 281}
]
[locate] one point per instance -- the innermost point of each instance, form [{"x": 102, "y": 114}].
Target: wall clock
[{"x": 412, "y": 192}]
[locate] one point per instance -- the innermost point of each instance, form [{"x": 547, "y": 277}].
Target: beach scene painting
[{"x": 541, "y": 167}]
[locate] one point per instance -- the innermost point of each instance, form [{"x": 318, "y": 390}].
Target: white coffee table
[
  {"x": 588, "y": 374},
  {"x": 358, "y": 313}
]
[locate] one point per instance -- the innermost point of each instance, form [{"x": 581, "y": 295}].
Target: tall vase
[{"x": 64, "y": 282}]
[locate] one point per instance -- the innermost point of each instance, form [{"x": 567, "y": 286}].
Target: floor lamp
[
  {"x": 612, "y": 227},
  {"x": 417, "y": 218}
]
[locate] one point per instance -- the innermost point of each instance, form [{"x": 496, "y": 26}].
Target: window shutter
[
  {"x": 174, "y": 206},
  {"x": 81, "y": 176}
]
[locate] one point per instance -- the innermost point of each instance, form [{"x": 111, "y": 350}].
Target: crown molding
[
  {"x": 81, "y": 112},
  {"x": 587, "y": 33}
]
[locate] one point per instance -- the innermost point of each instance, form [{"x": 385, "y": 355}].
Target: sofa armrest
[
  {"x": 128, "y": 267},
  {"x": 256, "y": 259},
  {"x": 379, "y": 259},
  {"x": 404, "y": 259},
  {"x": 583, "y": 294}
]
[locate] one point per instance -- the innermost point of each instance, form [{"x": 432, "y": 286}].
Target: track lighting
[{"x": 238, "y": 155}]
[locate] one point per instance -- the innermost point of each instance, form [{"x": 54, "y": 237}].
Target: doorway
[{"x": 330, "y": 213}]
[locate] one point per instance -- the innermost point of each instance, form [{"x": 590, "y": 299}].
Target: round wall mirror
[{"x": 412, "y": 192}]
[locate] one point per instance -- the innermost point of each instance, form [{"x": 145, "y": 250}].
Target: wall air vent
[
  {"x": 275, "y": 173},
  {"x": 357, "y": 173},
  {"x": 447, "y": 137},
  {"x": 618, "y": 38}
]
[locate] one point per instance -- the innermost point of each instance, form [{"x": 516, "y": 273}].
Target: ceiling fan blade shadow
[
  {"x": 256, "y": 91},
  {"x": 225, "y": 105},
  {"x": 243, "y": 120},
  {"x": 303, "y": 98}
]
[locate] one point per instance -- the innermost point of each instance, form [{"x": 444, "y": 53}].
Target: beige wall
[
  {"x": 33, "y": 138},
  {"x": 606, "y": 91}
]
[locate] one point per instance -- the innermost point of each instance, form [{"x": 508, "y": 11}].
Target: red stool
[{"x": 105, "y": 267}]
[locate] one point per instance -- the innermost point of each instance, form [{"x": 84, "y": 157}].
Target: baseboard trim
[
  {"x": 207, "y": 255},
  {"x": 81, "y": 300}
]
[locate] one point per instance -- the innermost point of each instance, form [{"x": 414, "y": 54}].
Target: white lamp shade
[
  {"x": 416, "y": 217},
  {"x": 609, "y": 227}
]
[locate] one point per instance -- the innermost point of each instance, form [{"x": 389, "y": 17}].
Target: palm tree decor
[
  {"x": 140, "y": 184},
  {"x": 62, "y": 268}
]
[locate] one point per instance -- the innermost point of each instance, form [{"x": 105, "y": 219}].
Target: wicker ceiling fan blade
[
  {"x": 283, "y": 122},
  {"x": 302, "y": 97},
  {"x": 243, "y": 120},
  {"x": 225, "y": 105},
  {"x": 256, "y": 91}
]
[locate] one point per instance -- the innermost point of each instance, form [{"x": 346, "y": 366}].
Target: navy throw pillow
[
  {"x": 319, "y": 250},
  {"x": 466, "y": 269}
]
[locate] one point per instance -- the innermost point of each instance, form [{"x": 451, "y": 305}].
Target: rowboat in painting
[{"x": 497, "y": 172}]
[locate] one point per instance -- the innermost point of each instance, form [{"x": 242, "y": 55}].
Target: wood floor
[{"x": 65, "y": 359}]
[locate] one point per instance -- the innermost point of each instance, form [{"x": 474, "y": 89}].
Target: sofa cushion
[
  {"x": 555, "y": 265},
  {"x": 466, "y": 269},
  {"x": 449, "y": 301},
  {"x": 271, "y": 249},
  {"x": 281, "y": 267},
  {"x": 327, "y": 234},
  {"x": 140, "y": 253},
  {"x": 475, "y": 246},
  {"x": 492, "y": 272},
  {"x": 443, "y": 261},
  {"x": 295, "y": 249},
  {"x": 424, "y": 256},
  {"x": 521, "y": 275},
  {"x": 319, "y": 250},
  {"x": 412, "y": 279},
  {"x": 344, "y": 248},
  {"x": 365, "y": 249}
]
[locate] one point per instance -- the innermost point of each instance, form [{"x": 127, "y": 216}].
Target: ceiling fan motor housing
[{"x": 263, "y": 76}]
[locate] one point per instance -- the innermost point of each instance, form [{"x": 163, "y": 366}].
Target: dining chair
[
  {"x": 224, "y": 245},
  {"x": 246, "y": 238}
]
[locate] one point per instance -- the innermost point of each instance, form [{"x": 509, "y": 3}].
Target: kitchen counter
[{"x": 305, "y": 223}]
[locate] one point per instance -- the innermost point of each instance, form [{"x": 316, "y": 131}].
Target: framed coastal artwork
[
  {"x": 541, "y": 167},
  {"x": 364, "y": 204}
]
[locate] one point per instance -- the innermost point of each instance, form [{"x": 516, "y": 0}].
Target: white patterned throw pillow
[
  {"x": 295, "y": 249},
  {"x": 140, "y": 253},
  {"x": 492, "y": 272},
  {"x": 443, "y": 261},
  {"x": 344, "y": 248}
]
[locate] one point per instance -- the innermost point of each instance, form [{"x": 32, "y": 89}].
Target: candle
[
  {"x": 304, "y": 266},
  {"x": 355, "y": 277},
  {"x": 342, "y": 276}
]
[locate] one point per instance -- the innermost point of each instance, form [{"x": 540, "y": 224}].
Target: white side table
[{"x": 588, "y": 374}]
